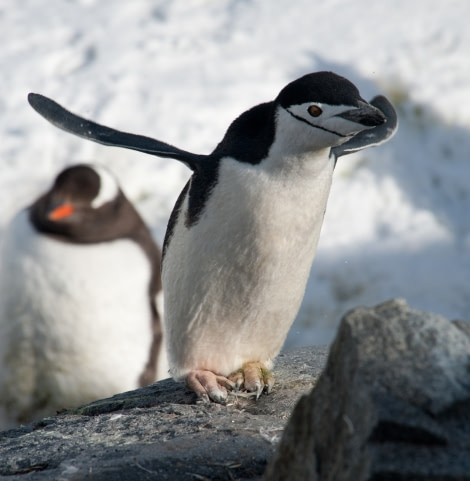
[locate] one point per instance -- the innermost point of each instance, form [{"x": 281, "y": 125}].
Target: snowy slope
[{"x": 398, "y": 217}]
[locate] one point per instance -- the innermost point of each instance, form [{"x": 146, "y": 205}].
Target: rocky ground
[
  {"x": 391, "y": 402},
  {"x": 160, "y": 432}
]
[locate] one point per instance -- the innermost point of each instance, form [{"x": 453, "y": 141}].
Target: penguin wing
[
  {"x": 87, "y": 129},
  {"x": 371, "y": 137}
]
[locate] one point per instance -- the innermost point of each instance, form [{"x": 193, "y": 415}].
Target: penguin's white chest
[
  {"x": 234, "y": 281},
  {"x": 74, "y": 319}
]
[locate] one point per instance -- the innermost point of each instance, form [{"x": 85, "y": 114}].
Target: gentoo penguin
[
  {"x": 243, "y": 234},
  {"x": 79, "y": 280}
]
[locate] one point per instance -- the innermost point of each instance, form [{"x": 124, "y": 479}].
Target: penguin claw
[
  {"x": 259, "y": 390},
  {"x": 238, "y": 379},
  {"x": 255, "y": 377},
  {"x": 209, "y": 386},
  {"x": 203, "y": 399}
]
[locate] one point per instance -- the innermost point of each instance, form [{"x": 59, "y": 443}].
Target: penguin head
[
  {"x": 322, "y": 110},
  {"x": 80, "y": 189},
  {"x": 84, "y": 204}
]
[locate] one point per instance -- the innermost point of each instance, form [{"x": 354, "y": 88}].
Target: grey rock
[
  {"x": 159, "y": 432},
  {"x": 392, "y": 404}
]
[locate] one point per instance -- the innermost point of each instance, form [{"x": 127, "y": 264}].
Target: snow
[{"x": 397, "y": 223}]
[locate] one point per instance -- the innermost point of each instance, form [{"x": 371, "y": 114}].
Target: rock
[
  {"x": 392, "y": 404},
  {"x": 159, "y": 432}
]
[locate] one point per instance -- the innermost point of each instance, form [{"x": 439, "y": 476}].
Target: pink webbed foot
[
  {"x": 255, "y": 377},
  {"x": 209, "y": 386}
]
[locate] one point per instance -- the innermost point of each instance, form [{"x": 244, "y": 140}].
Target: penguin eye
[{"x": 315, "y": 110}]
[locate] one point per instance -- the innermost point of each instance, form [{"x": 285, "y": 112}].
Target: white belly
[
  {"x": 74, "y": 321},
  {"x": 233, "y": 282}
]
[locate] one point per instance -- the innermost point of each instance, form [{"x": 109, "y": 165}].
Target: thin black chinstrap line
[{"x": 316, "y": 126}]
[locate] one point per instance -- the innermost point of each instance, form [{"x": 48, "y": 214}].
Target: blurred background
[{"x": 398, "y": 222}]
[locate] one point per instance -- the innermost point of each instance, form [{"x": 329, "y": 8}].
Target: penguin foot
[
  {"x": 209, "y": 386},
  {"x": 255, "y": 377}
]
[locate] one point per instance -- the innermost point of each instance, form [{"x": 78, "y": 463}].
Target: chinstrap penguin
[
  {"x": 242, "y": 237},
  {"x": 80, "y": 314}
]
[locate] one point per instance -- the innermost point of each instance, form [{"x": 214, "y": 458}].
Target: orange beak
[{"x": 61, "y": 212}]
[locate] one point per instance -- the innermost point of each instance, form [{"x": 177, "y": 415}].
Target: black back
[{"x": 249, "y": 136}]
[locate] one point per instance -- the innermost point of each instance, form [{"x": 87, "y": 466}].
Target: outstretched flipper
[
  {"x": 371, "y": 137},
  {"x": 87, "y": 129}
]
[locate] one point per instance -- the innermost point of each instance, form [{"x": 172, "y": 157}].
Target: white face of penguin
[
  {"x": 310, "y": 127},
  {"x": 109, "y": 187}
]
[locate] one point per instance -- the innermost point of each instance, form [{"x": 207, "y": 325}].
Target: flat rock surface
[{"x": 160, "y": 432}]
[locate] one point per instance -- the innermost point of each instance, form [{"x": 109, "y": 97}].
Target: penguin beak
[
  {"x": 365, "y": 114},
  {"x": 60, "y": 212}
]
